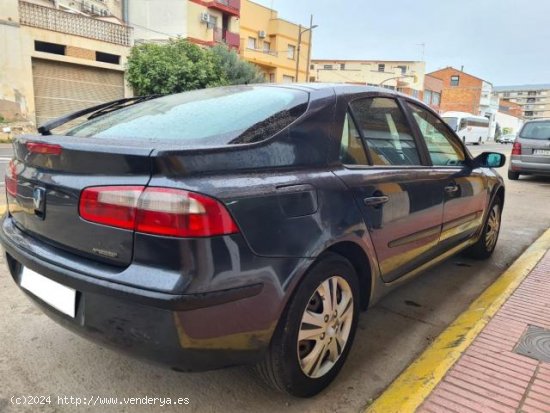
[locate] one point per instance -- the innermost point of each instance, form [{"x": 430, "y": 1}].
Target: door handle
[
  {"x": 375, "y": 201},
  {"x": 451, "y": 188}
]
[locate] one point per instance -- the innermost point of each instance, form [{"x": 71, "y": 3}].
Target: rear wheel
[
  {"x": 485, "y": 246},
  {"x": 315, "y": 334},
  {"x": 513, "y": 176}
]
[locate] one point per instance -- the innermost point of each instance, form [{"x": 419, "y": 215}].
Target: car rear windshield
[
  {"x": 208, "y": 117},
  {"x": 536, "y": 130}
]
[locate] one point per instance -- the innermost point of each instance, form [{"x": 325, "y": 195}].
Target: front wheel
[
  {"x": 316, "y": 331},
  {"x": 486, "y": 244}
]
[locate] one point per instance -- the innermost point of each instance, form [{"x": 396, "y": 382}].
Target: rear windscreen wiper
[{"x": 95, "y": 111}]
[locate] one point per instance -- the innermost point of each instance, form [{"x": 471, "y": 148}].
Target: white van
[{"x": 470, "y": 128}]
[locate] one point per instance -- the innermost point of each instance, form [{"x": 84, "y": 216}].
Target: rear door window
[
  {"x": 352, "y": 151},
  {"x": 388, "y": 136},
  {"x": 208, "y": 117}
]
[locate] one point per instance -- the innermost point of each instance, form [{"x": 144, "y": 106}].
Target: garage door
[{"x": 61, "y": 88}]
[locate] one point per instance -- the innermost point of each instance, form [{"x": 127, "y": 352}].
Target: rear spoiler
[{"x": 98, "y": 110}]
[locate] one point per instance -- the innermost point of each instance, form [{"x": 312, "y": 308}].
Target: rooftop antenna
[{"x": 423, "y": 46}]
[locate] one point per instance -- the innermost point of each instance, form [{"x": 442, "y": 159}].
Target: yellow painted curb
[{"x": 412, "y": 387}]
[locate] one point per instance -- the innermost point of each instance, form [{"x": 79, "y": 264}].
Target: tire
[
  {"x": 282, "y": 367},
  {"x": 513, "y": 176},
  {"x": 487, "y": 242}
]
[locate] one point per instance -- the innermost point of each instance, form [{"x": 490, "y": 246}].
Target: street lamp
[{"x": 300, "y": 32}]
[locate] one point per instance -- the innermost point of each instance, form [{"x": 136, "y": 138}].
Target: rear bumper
[
  {"x": 518, "y": 165},
  {"x": 188, "y": 332}
]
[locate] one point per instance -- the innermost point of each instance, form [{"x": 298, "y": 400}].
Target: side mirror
[{"x": 489, "y": 160}]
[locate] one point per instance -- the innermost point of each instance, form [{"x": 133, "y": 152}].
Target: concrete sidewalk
[
  {"x": 495, "y": 357},
  {"x": 507, "y": 366}
]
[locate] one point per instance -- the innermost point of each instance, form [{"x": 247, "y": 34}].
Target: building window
[
  {"x": 251, "y": 43},
  {"x": 506, "y": 94},
  {"x": 272, "y": 78},
  {"x": 403, "y": 69},
  {"x": 267, "y": 47},
  {"x": 311, "y": 67},
  {"x": 312, "y": 79},
  {"x": 532, "y": 93},
  {"x": 427, "y": 97},
  {"x": 327, "y": 67},
  {"x": 455, "y": 80},
  {"x": 381, "y": 67},
  {"x": 107, "y": 58},
  {"x": 529, "y": 113},
  {"x": 531, "y": 100},
  {"x": 520, "y": 93},
  {"x": 342, "y": 66},
  {"x": 291, "y": 51},
  {"x": 288, "y": 79},
  {"x": 49, "y": 47},
  {"x": 436, "y": 98}
]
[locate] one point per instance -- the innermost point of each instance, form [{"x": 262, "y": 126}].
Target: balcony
[
  {"x": 64, "y": 22},
  {"x": 232, "y": 7},
  {"x": 233, "y": 40}
]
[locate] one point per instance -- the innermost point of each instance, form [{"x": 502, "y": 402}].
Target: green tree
[
  {"x": 179, "y": 65},
  {"x": 235, "y": 70},
  {"x": 173, "y": 67}
]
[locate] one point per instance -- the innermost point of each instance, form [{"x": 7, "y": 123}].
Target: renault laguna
[{"x": 241, "y": 225}]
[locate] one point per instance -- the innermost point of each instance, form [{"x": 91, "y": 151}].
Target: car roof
[{"x": 342, "y": 88}]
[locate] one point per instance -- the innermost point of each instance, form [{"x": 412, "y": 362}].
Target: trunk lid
[{"x": 45, "y": 203}]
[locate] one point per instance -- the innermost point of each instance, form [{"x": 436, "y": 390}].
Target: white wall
[
  {"x": 508, "y": 121},
  {"x": 158, "y": 19}
]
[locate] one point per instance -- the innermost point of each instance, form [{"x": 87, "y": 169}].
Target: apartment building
[
  {"x": 205, "y": 23},
  {"x": 257, "y": 32},
  {"x": 58, "y": 57},
  {"x": 273, "y": 44},
  {"x": 534, "y": 100},
  {"x": 463, "y": 92},
  {"x": 406, "y": 76}
]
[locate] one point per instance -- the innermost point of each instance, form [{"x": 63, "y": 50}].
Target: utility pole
[
  {"x": 298, "y": 53},
  {"x": 309, "y": 47}
]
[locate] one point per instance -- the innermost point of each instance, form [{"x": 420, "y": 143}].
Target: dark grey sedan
[
  {"x": 531, "y": 150},
  {"x": 242, "y": 225}
]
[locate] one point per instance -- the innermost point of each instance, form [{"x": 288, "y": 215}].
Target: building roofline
[
  {"x": 458, "y": 70},
  {"x": 522, "y": 87},
  {"x": 366, "y": 61}
]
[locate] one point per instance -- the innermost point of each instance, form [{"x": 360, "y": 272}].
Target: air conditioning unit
[
  {"x": 205, "y": 18},
  {"x": 262, "y": 34}
]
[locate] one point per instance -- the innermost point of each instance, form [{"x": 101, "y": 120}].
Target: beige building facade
[
  {"x": 533, "y": 99},
  {"x": 54, "y": 60},
  {"x": 273, "y": 44},
  {"x": 396, "y": 75}
]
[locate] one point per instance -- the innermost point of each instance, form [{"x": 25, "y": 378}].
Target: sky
[{"x": 506, "y": 42}]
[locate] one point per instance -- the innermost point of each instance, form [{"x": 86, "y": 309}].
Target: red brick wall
[
  {"x": 462, "y": 98},
  {"x": 510, "y": 108}
]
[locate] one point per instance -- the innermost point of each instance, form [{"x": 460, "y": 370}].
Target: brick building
[{"x": 463, "y": 92}]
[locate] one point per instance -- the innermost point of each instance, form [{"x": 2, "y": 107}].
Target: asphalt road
[{"x": 38, "y": 357}]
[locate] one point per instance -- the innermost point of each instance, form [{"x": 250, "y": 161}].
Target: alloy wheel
[
  {"x": 325, "y": 327},
  {"x": 493, "y": 227}
]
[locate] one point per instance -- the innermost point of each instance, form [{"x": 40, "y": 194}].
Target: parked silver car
[
  {"x": 531, "y": 150},
  {"x": 508, "y": 138}
]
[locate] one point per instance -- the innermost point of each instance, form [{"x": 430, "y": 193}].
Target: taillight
[
  {"x": 44, "y": 148},
  {"x": 516, "y": 149},
  {"x": 158, "y": 211},
  {"x": 11, "y": 179}
]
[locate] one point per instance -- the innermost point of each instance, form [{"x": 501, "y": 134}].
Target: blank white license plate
[
  {"x": 542, "y": 152},
  {"x": 57, "y": 295}
]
